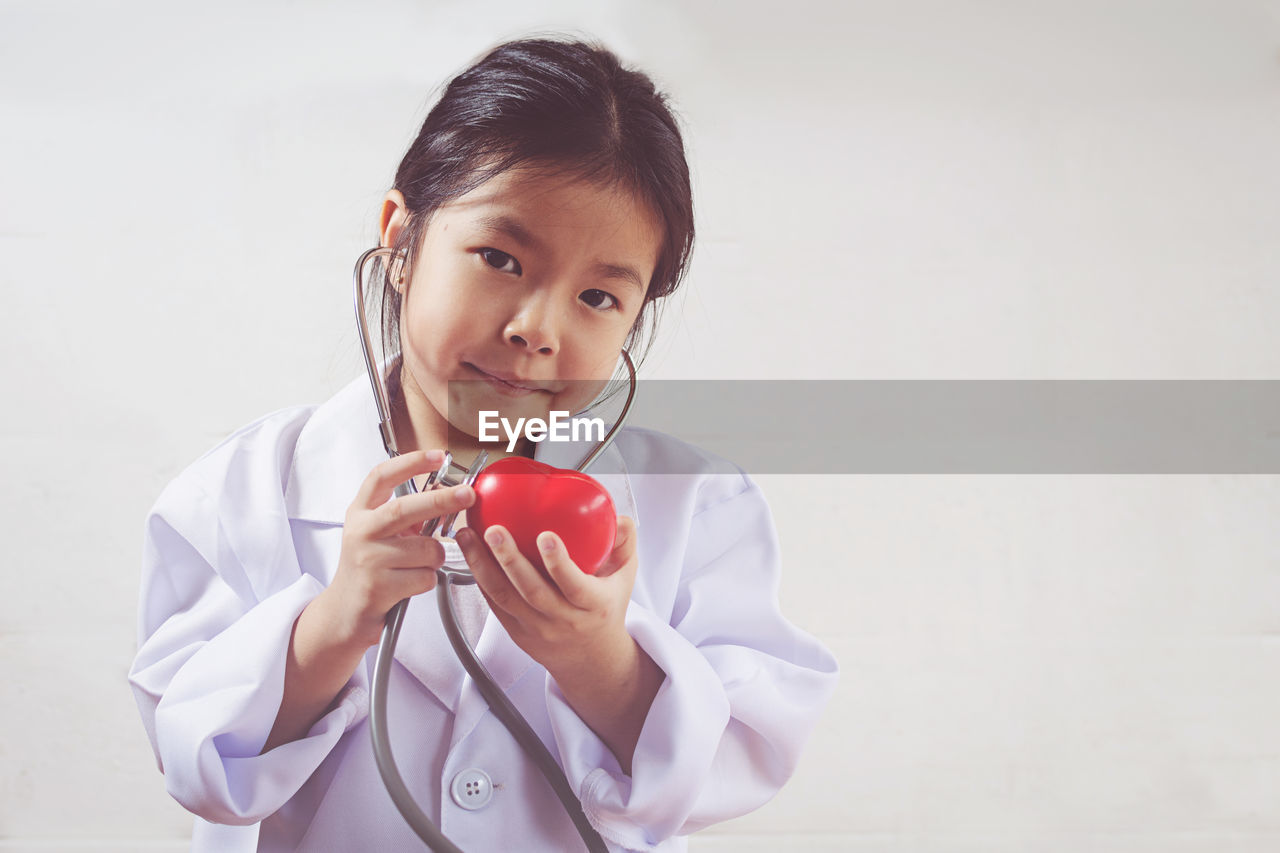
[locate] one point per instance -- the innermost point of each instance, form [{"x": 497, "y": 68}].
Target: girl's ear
[{"x": 395, "y": 213}]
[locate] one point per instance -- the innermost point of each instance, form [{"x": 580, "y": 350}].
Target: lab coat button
[{"x": 472, "y": 789}]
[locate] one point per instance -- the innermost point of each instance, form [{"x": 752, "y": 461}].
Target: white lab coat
[{"x": 241, "y": 541}]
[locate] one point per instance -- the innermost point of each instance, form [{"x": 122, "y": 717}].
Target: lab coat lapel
[
  {"x": 423, "y": 649},
  {"x": 506, "y": 663},
  {"x": 337, "y": 447}
]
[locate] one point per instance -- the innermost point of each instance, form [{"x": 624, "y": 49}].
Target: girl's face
[{"x": 520, "y": 299}]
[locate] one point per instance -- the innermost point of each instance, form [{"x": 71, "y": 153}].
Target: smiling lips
[{"x": 506, "y": 383}]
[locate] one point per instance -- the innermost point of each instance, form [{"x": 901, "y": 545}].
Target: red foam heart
[{"x": 527, "y": 497}]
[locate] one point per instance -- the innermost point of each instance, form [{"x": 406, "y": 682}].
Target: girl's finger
[
  {"x": 408, "y": 552},
  {"x": 624, "y": 547},
  {"x": 406, "y": 583},
  {"x": 410, "y": 511},
  {"x": 385, "y": 476},
  {"x": 573, "y": 583},
  {"x": 533, "y": 587},
  {"x": 493, "y": 581}
]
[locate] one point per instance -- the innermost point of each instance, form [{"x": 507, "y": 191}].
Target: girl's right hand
[{"x": 384, "y": 558}]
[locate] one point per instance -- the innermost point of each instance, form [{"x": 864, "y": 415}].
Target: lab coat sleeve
[
  {"x": 209, "y": 674},
  {"x": 743, "y": 690}
]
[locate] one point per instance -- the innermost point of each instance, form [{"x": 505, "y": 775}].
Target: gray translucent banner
[{"x": 967, "y": 426}]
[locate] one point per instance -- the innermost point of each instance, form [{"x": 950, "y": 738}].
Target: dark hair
[{"x": 566, "y": 105}]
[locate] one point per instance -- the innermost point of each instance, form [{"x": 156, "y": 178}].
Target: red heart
[{"x": 527, "y": 497}]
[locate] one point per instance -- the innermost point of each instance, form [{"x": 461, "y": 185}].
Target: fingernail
[
  {"x": 464, "y": 537},
  {"x": 493, "y": 536},
  {"x": 434, "y": 456},
  {"x": 547, "y": 542},
  {"x": 465, "y": 492}
]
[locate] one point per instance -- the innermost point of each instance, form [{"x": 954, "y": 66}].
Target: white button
[{"x": 472, "y": 789}]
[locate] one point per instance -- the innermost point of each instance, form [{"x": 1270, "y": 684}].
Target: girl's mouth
[{"x": 502, "y": 386}]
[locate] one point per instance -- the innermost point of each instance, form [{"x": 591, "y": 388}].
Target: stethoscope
[{"x": 451, "y": 473}]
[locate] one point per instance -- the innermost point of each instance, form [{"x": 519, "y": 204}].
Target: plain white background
[{"x": 1055, "y": 189}]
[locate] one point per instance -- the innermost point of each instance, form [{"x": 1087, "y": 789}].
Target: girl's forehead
[
  {"x": 533, "y": 202},
  {"x": 547, "y": 192}
]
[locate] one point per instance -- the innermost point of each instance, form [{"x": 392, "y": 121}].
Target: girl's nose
[{"x": 535, "y": 327}]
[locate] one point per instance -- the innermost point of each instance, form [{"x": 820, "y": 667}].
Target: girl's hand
[
  {"x": 569, "y": 621},
  {"x": 384, "y": 558}
]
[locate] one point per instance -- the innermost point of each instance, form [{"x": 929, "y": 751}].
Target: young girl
[{"x": 541, "y": 212}]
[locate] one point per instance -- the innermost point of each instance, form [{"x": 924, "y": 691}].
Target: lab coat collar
[{"x": 335, "y": 450}]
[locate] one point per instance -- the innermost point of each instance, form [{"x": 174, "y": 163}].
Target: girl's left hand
[{"x": 570, "y": 622}]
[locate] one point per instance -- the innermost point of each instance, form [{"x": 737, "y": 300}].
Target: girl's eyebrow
[
  {"x": 512, "y": 227},
  {"x": 621, "y": 273}
]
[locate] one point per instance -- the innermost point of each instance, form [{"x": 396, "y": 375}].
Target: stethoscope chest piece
[{"x": 451, "y": 473}]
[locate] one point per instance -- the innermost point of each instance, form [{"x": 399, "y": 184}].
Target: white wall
[{"x": 1056, "y": 189}]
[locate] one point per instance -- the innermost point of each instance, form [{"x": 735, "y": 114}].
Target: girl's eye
[
  {"x": 600, "y": 299},
  {"x": 500, "y": 261}
]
